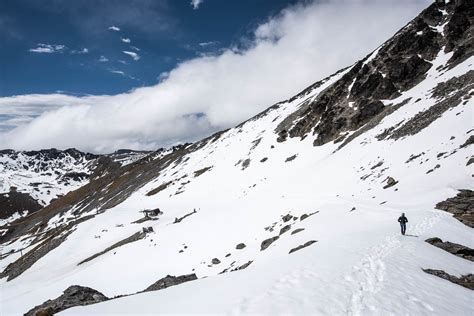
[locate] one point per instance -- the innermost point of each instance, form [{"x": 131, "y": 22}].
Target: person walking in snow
[{"x": 403, "y": 223}]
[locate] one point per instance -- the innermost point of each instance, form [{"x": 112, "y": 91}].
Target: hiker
[{"x": 403, "y": 223}]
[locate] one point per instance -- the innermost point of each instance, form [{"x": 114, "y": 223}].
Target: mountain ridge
[{"x": 334, "y": 173}]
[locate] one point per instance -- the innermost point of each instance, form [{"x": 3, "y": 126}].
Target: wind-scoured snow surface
[{"x": 242, "y": 183}]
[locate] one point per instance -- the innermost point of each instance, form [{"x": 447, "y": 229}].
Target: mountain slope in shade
[{"x": 293, "y": 211}]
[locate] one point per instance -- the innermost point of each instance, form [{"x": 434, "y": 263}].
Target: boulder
[
  {"x": 74, "y": 295},
  {"x": 390, "y": 182},
  {"x": 267, "y": 242},
  {"x": 240, "y": 246},
  {"x": 170, "y": 280}
]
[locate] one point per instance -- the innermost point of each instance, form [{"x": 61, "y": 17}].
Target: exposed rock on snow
[
  {"x": 267, "y": 242},
  {"x": 466, "y": 281},
  {"x": 284, "y": 229},
  {"x": 240, "y": 246},
  {"x": 159, "y": 188},
  {"x": 462, "y": 206},
  {"x": 73, "y": 296},
  {"x": 297, "y": 231},
  {"x": 170, "y": 280},
  {"x": 244, "y": 266},
  {"x": 469, "y": 141},
  {"x": 291, "y": 158},
  {"x": 455, "y": 249},
  {"x": 178, "y": 220},
  {"x": 306, "y": 244},
  {"x": 245, "y": 163},
  {"x": 390, "y": 182},
  {"x": 201, "y": 171},
  {"x": 287, "y": 218},
  {"x": 305, "y": 216},
  {"x": 135, "y": 237},
  {"x": 14, "y": 201}
]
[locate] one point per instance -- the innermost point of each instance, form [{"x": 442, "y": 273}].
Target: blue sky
[
  {"x": 70, "y": 47},
  {"x": 171, "y": 72}
]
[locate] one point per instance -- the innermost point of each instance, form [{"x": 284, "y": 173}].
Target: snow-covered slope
[
  {"x": 30, "y": 180},
  {"x": 330, "y": 169},
  {"x": 45, "y": 174}
]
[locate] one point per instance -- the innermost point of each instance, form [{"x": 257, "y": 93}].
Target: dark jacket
[{"x": 402, "y": 220}]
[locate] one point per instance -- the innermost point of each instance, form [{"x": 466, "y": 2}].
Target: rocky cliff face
[{"x": 368, "y": 88}]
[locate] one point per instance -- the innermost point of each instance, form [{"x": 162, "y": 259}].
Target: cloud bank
[{"x": 288, "y": 52}]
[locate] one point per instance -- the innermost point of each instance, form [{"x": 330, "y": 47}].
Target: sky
[{"x": 143, "y": 74}]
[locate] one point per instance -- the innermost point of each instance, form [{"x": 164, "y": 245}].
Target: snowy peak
[
  {"x": 30, "y": 180},
  {"x": 371, "y": 86},
  {"x": 44, "y": 174}
]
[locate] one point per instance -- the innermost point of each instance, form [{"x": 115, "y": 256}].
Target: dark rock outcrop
[
  {"x": 284, "y": 229},
  {"x": 306, "y": 244},
  {"x": 398, "y": 65},
  {"x": 135, "y": 237},
  {"x": 240, "y": 246},
  {"x": 390, "y": 182},
  {"x": 73, "y": 296},
  {"x": 297, "y": 231},
  {"x": 245, "y": 265},
  {"x": 201, "y": 171},
  {"x": 178, "y": 220},
  {"x": 159, "y": 188},
  {"x": 466, "y": 281},
  {"x": 461, "y": 206},
  {"x": 455, "y": 249},
  {"x": 287, "y": 218},
  {"x": 305, "y": 216},
  {"x": 267, "y": 242},
  {"x": 15, "y": 201},
  {"x": 170, "y": 280}
]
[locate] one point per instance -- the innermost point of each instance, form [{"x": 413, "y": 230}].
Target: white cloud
[
  {"x": 117, "y": 72},
  {"x": 134, "y": 55},
  {"x": 301, "y": 45},
  {"x": 47, "y": 48},
  {"x": 103, "y": 59},
  {"x": 135, "y": 48},
  {"x": 82, "y": 51},
  {"x": 210, "y": 43},
  {"x": 114, "y": 28},
  {"x": 125, "y": 39},
  {"x": 196, "y": 3},
  {"x": 122, "y": 73}
]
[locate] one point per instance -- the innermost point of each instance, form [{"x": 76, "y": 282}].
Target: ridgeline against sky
[{"x": 147, "y": 74}]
